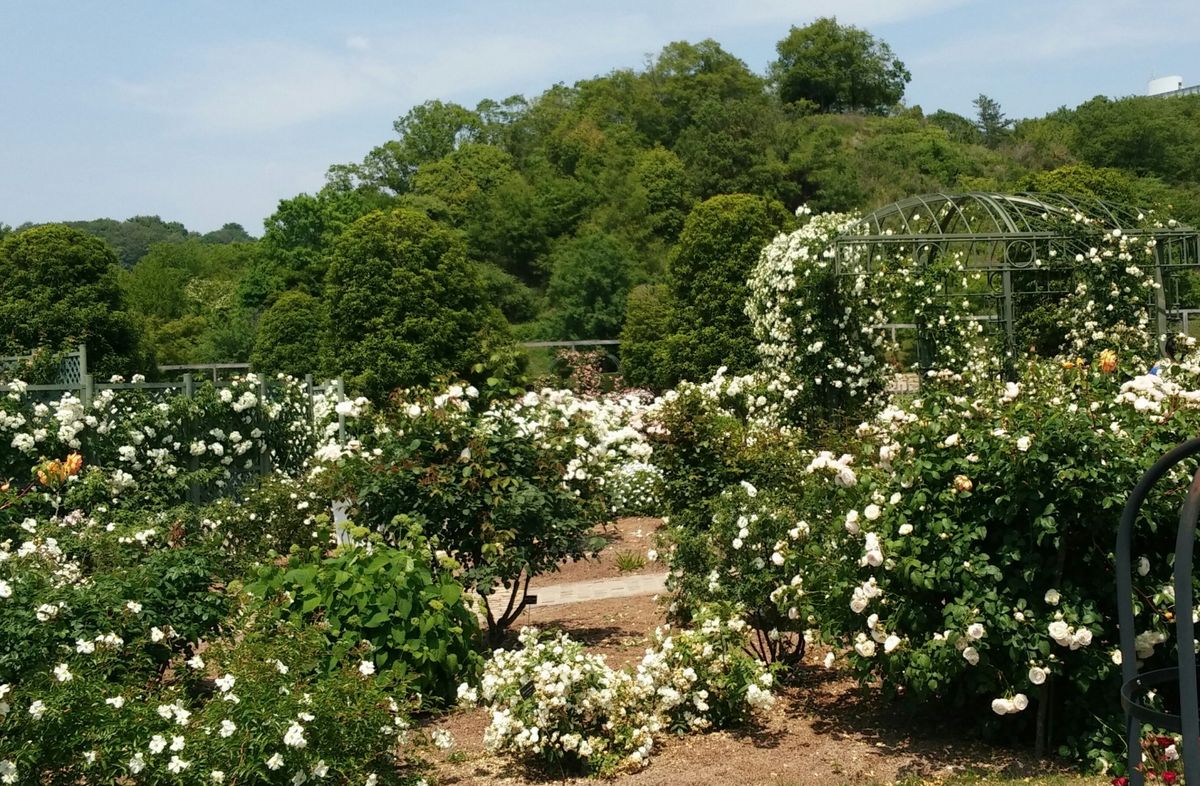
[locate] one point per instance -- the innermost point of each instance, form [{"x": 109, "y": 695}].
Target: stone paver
[{"x": 596, "y": 589}]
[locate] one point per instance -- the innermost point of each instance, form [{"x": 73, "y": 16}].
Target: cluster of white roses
[{"x": 552, "y": 699}]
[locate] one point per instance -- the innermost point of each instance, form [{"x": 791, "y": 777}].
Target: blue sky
[{"x": 207, "y": 112}]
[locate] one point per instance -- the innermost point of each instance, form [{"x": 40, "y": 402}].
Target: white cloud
[{"x": 358, "y": 43}]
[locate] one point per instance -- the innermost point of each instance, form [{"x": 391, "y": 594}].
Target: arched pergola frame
[{"x": 1022, "y": 244}]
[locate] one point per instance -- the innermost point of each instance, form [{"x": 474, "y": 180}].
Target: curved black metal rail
[{"x": 1135, "y": 687}]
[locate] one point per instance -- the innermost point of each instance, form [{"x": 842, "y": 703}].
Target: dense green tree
[
  {"x": 660, "y": 191},
  {"x": 706, "y": 277},
  {"x": 648, "y": 319},
  {"x": 290, "y": 336},
  {"x": 517, "y": 301},
  {"x": 198, "y": 285},
  {"x": 688, "y": 78},
  {"x": 132, "y": 238},
  {"x": 228, "y": 233},
  {"x": 428, "y": 132},
  {"x": 463, "y": 178},
  {"x": 405, "y": 305},
  {"x": 838, "y": 68},
  {"x": 1149, "y": 136},
  {"x": 510, "y": 226},
  {"x": 588, "y": 287},
  {"x": 960, "y": 129},
  {"x": 991, "y": 122},
  {"x": 1104, "y": 183},
  {"x": 299, "y": 237},
  {"x": 58, "y": 288}
]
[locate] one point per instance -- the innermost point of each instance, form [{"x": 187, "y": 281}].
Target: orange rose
[{"x": 1108, "y": 361}]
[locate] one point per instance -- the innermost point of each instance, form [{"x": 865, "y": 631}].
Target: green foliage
[
  {"x": 630, "y": 560},
  {"x": 957, "y": 127},
  {"x": 58, "y": 288},
  {"x": 590, "y": 282},
  {"x": 707, "y": 274},
  {"x": 416, "y": 621},
  {"x": 838, "y": 68},
  {"x": 132, "y": 238},
  {"x": 405, "y": 305},
  {"x": 516, "y": 301},
  {"x": 648, "y": 318},
  {"x": 186, "y": 297},
  {"x": 487, "y": 495},
  {"x": 992, "y": 124},
  {"x": 1148, "y": 136},
  {"x": 290, "y": 336},
  {"x": 298, "y": 239}
]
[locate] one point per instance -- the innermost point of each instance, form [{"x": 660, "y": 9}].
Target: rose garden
[{"x": 260, "y": 583}]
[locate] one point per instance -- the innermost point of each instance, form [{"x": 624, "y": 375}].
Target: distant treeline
[{"x": 562, "y": 205}]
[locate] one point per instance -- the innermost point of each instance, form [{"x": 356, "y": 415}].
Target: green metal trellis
[{"x": 1023, "y": 246}]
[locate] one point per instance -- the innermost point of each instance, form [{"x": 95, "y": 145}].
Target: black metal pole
[
  {"x": 1125, "y": 621},
  {"x": 1189, "y": 704}
]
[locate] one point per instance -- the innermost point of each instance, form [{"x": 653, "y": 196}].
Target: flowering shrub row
[{"x": 150, "y": 447}]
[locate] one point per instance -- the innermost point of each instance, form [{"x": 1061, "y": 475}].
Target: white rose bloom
[
  {"x": 1037, "y": 675},
  {"x": 872, "y": 512},
  {"x": 972, "y": 655},
  {"x": 1023, "y": 444},
  {"x": 1002, "y": 706},
  {"x": 1143, "y": 566},
  {"x": 1052, "y": 597},
  {"x": 975, "y": 631},
  {"x": 891, "y": 643},
  {"x": 1059, "y": 631},
  {"x": 1020, "y": 702}
]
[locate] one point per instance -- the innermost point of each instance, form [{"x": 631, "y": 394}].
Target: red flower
[
  {"x": 1169, "y": 777},
  {"x": 1165, "y": 741},
  {"x": 1121, "y": 781}
]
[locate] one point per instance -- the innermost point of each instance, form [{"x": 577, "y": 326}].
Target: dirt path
[{"x": 823, "y": 731}]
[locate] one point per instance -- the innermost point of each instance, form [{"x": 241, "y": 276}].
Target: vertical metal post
[
  {"x": 265, "y": 464},
  {"x": 1160, "y": 303},
  {"x": 341, "y": 396},
  {"x": 189, "y": 390},
  {"x": 308, "y": 388},
  {"x": 1010, "y": 336},
  {"x": 1189, "y": 703},
  {"x": 87, "y": 390}
]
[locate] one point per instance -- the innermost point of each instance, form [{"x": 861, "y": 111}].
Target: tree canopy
[
  {"x": 59, "y": 288},
  {"x": 405, "y": 305},
  {"x": 838, "y": 68}
]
